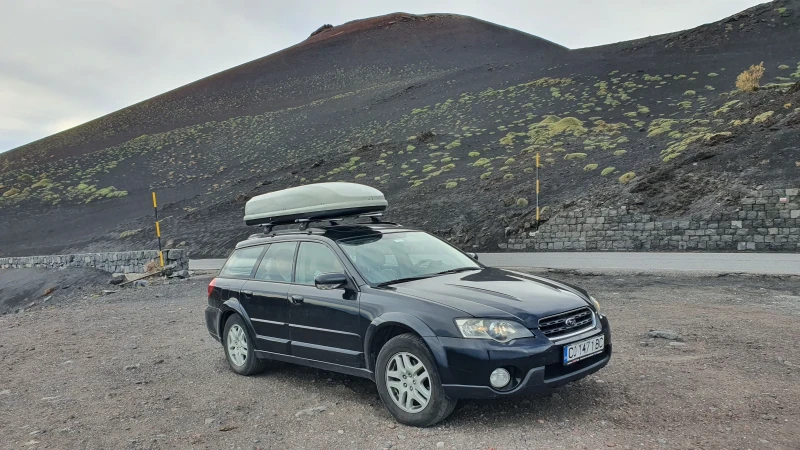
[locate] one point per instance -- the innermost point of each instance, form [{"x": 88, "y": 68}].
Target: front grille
[{"x": 555, "y": 326}]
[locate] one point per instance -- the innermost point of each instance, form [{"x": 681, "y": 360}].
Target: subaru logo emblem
[{"x": 570, "y": 322}]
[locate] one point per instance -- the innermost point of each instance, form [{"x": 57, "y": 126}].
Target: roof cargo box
[{"x": 319, "y": 201}]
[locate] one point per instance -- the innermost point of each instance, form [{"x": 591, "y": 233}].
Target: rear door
[
  {"x": 266, "y": 298},
  {"x": 323, "y": 324}
]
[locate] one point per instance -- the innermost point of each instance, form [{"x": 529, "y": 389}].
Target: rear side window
[
  {"x": 277, "y": 263},
  {"x": 241, "y": 262}
]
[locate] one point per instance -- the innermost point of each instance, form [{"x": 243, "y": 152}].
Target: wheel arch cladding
[
  {"x": 389, "y": 325},
  {"x": 229, "y": 308}
]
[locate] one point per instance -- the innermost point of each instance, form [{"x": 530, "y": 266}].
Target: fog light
[{"x": 499, "y": 378}]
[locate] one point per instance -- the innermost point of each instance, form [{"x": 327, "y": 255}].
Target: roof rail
[{"x": 375, "y": 219}]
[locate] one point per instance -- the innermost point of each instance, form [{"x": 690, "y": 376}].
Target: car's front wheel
[
  {"x": 409, "y": 384},
  {"x": 239, "y": 349}
]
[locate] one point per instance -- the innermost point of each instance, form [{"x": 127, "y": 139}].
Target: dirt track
[{"x": 138, "y": 370}]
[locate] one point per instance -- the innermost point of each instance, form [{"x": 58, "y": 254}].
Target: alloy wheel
[
  {"x": 408, "y": 382},
  {"x": 237, "y": 345}
]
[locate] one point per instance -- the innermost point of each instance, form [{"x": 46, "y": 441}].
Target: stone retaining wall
[
  {"x": 766, "y": 220},
  {"x": 113, "y": 262}
]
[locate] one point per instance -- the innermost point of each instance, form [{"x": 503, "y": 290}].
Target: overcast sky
[{"x": 64, "y": 62}]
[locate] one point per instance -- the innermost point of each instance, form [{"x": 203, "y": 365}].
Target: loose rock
[
  {"x": 310, "y": 411},
  {"x": 664, "y": 334}
]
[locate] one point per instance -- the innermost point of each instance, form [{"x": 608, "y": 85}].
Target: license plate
[{"x": 583, "y": 349}]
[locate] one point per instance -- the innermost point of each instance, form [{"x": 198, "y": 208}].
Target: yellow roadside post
[
  {"x": 158, "y": 232},
  {"x": 537, "y": 189}
]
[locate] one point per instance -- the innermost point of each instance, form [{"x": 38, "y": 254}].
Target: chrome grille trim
[{"x": 554, "y": 327}]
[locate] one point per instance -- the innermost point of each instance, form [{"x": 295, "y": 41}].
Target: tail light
[{"x": 211, "y": 286}]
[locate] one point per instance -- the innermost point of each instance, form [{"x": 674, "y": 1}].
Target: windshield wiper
[
  {"x": 402, "y": 280},
  {"x": 460, "y": 269},
  {"x": 430, "y": 275}
]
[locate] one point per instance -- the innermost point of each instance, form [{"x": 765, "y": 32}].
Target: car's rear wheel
[
  {"x": 409, "y": 384},
  {"x": 239, "y": 348}
]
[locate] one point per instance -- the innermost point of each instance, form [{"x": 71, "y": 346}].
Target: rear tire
[
  {"x": 412, "y": 391},
  {"x": 239, "y": 347}
]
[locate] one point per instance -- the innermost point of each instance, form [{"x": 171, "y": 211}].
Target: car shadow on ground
[{"x": 580, "y": 400}]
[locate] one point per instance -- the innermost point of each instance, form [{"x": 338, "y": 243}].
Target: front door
[
  {"x": 266, "y": 298},
  {"x": 323, "y": 324}
]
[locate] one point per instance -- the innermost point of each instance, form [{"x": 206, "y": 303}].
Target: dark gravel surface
[
  {"x": 34, "y": 288},
  {"x": 137, "y": 369}
]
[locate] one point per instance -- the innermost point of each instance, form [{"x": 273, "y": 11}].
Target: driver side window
[{"x": 315, "y": 259}]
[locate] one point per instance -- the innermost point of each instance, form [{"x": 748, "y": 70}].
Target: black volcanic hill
[
  {"x": 352, "y": 57},
  {"x": 444, "y": 114}
]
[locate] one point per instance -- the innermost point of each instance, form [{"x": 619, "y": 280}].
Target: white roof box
[{"x": 313, "y": 202}]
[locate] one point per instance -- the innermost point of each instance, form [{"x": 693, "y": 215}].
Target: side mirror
[
  {"x": 328, "y": 281},
  {"x": 473, "y": 256}
]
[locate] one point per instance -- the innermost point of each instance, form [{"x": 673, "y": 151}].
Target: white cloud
[{"x": 65, "y": 62}]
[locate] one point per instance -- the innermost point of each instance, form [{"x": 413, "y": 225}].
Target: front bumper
[{"x": 535, "y": 364}]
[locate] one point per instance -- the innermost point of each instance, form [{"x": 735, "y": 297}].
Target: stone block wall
[
  {"x": 113, "y": 262},
  {"x": 765, "y": 220}
]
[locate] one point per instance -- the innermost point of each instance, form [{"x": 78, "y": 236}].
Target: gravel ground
[
  {"x": 31, "y": 288},
  {"x": 137, "y": 369}
]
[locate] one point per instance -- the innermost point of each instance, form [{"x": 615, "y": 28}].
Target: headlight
[
  {"x": 499, "y": 330},
  {"x": 595, "y": 303}
]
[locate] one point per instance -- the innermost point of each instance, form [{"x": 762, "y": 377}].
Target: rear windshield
[{"x": 241, "y": 262}]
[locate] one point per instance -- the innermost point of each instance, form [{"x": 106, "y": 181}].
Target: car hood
[{"x": 498, "y": 293}]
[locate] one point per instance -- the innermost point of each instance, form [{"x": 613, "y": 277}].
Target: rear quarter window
[{"x": 241, "y": 262}]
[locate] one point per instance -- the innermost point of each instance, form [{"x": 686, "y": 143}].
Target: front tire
[
  {"x": 239, "y": 348},
  {"x": 409, "y": 384}
]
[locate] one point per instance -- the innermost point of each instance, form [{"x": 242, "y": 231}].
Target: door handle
[
  {"x": 247, "y": 293},
  {"x": 297, "y": 299}
]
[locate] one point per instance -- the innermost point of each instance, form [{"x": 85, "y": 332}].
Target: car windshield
[{"x": 384, "y": 258}]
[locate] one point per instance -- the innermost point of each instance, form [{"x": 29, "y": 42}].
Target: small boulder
[
  {"x": 664, "y": 334},
  {"x": 179, "y": 274},
  {"x": 118, "y": 279},
  {"x": 310, "y": 411}
]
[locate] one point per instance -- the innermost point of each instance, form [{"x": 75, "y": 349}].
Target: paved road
[
  {"x": 206, "y": 264},
  {"x": 758, "y": 263}
]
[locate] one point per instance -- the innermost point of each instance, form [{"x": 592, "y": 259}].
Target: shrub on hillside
[
  {"x": 749, "y": 80},
  {"x": 763, "y": 117},
  {"x": 626, "y": 178}
]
